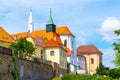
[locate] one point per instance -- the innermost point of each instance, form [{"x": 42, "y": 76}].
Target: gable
[{"x": 5, "y": 37}]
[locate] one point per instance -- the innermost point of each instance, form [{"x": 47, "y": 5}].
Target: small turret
[{"x": 50, "y": 26}]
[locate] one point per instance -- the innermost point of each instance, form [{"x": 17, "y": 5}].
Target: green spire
[{"x": 50, "y": 21}]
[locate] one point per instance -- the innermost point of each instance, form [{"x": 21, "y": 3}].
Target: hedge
[{"x": 84, "y": 77}]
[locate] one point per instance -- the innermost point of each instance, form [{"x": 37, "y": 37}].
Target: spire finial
[
  {"x": 50, "y": 21},
  {"x": 50, "y": 12}
]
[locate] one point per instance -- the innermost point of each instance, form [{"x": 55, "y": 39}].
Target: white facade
[
  {"x": 68, "y": 41},
  {"x": 81, "y": 62}
]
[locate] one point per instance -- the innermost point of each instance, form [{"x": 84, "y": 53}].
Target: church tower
[
  {"x": 50, "y": 26},
  {"x": 30, "y": 23}
]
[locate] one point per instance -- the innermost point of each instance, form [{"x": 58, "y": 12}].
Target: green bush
[
  {"x": 114, "y": 73},
  {"x": 83, "y": 77}
]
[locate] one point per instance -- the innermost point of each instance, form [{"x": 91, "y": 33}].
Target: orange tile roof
[
  {"x": 19, "y": 35},
  {"x": 38, "y": 33},
  {"x": 4, "y": 36},
  {"x": 51, "y": 39},
  {"x": 52, "y": 43},
  {"x": 87, "y": 49},
  {"x": 63, "y": 30},
  {"x": 52, "y": 35},
  {"x": 41, "y": 33}
]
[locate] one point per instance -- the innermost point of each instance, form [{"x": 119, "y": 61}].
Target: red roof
[
  {"x": 69, "y": 53},
  {"x": 87, "y": 49}
]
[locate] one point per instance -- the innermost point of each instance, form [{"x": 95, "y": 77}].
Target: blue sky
[{"x": 91, "y": 21}]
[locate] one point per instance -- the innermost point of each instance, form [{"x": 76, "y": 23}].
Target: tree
[
  {"x": 117, "y": 50},
  {"x": 22, "y": 48},
  {"x": 114, "y": 73},
  {"x": 101, "y": 70}
]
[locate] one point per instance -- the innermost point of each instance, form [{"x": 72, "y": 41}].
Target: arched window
[
  {"x": 92, "y": 61},
  {"x": 65, "y": 42}
]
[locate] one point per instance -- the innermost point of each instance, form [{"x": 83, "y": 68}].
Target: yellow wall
[
  {"x": 38, "y": 52},
  {"x": 62, "y": 61},
  {"x": 63, "y": 58},
  {"x": 38, "y": 49},
  {"x": 4, "y": 44},
  {"x": 54, "y": 58},
  {"x": 97, "y": 59}
]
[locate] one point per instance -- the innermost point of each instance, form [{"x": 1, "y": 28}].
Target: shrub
[
  {"x": 83, "y": 77},
  {"x": 114, "y": 73}
]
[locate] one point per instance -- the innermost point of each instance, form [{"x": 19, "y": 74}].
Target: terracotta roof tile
[
  {"x": 4, "y": 36},
  {"x": 87, "y": 49},
  {"x": 52, "y": 43},
  {"x": 63, "y": 30},
  {"x": 38, "y": 33},
  {"x": 54, "y": 36},
  {"x": 19, "y": 35},
  {"x": 41, "y": 33}
]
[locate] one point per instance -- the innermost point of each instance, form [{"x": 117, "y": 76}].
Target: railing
[{"x": 5, "y": 51}]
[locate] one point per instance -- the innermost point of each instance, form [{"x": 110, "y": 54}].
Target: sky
[{"x": 91, "y": 21}]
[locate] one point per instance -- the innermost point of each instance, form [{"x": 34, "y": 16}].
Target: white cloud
[{"x": 108, "y": 27}]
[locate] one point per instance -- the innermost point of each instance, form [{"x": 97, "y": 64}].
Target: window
[
  {"x": 41, "y": 54},
  {"x": 52, "y": 53},
  {"x": 92, "y": 60},
  {"x": 72, "y": 44},
  {"x": 65, "y": 42},
  {"x": 60, "y": 54}
]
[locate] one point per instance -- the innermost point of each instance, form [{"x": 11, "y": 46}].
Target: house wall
[
  {"x": 4, "y": 44},
  {"x": 63, "y": 58},
  {"x": 54, "y": 58},
  {"x": 71, "y": 46},
  {"x": 37, "y": 52},
  {"x": 59, "y": 56},
  {"x": 81, "y": 62},
  {"x": 91, "y": 67},
  {"x": 70, "y": 40}
]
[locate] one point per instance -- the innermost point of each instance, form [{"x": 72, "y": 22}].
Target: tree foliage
[
  {"x": 101, "y": 70},
  {"x": 22, "y": 48},
  {"x": 117, "y": 50},
  {"x": 114, "y": 73}
]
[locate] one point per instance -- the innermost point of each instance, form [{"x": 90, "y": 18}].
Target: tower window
[
  {"x": 92, "y": 61},
  {"x": 65, "y": 42}
]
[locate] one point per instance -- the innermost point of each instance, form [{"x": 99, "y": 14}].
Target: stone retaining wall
[{"x": 32, "y": 70}]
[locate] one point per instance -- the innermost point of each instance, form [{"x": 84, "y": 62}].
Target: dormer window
[{"x": 65, "y": 42}]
